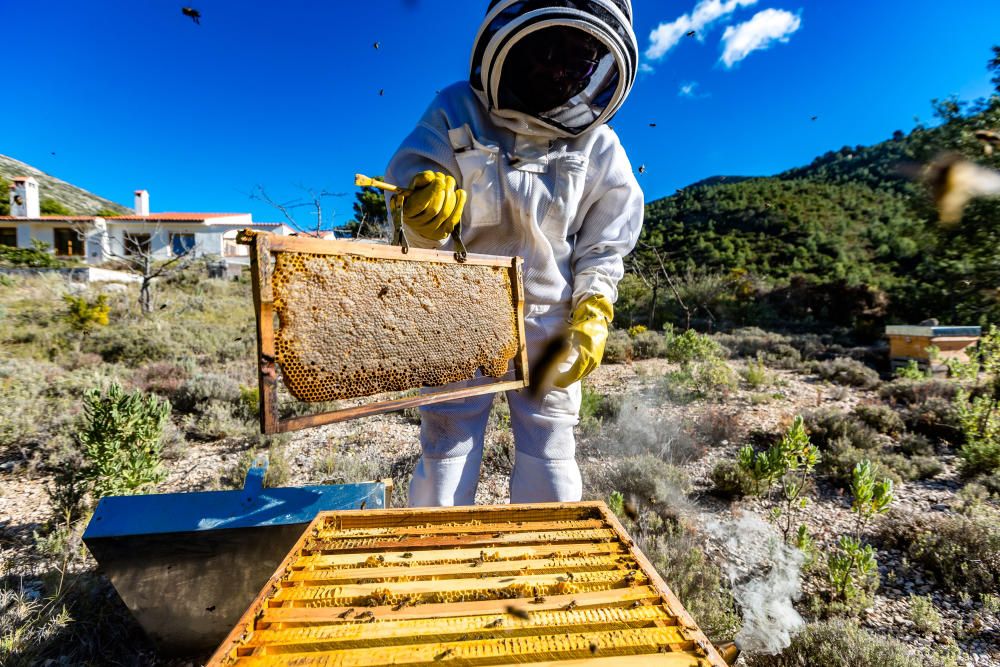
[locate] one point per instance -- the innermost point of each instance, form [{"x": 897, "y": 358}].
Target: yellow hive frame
[
  {"x": 263, "y": 245},
  {"x": 556, "y": 584}
]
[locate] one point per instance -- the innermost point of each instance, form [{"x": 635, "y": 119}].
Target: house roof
[{"x": 155, "y": 217}]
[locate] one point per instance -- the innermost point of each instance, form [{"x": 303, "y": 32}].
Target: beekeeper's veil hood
[{"x": 604, "y": 75}]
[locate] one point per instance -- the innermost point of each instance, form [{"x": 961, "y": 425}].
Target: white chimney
[
  {"x": 141, "y": 202},
  {"x": 24, "y": 198}
]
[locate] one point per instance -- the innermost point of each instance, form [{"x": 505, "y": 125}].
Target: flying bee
[
  {"x": 571, "y": 606},
  {"x": 517, "y": 612},
  {"x": 346, "y": 613},
  {"x": 445, "y": 654},
  {"x": 593, "y": 648}
]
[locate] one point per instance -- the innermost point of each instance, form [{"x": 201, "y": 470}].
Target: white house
[{"x": 95, "y": 239}]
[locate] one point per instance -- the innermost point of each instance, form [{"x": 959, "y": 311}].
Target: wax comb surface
[{"x": 357, "y": 326}]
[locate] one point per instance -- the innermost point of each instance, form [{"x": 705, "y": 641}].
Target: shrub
[
  {"x": 729, "y": 480},
  {"x": 652, "y": 480},
  {"x": 690, "y": 346},
  {"x": 713, "y": 378},
  {"x": 829, "y": 426},
  {"x": 163, "y": 378},
  {"x": 979, "y": 418},
  {"x": 634, "y": 331},
  {"x": 961, "y": 553},
  {"x": 38, "y": 256},
  {"x": 716, "y": 426},
  {"x": 911, "y": 371},
  {"x": 915, "y": 444},
  {"x": 648, "y": 345},
  {"x": 121, "y": 436},
  {"x": 693, "y": 577},
  {"x": 217, "y": 421},
  {"x": 277, "y": 466},
  {"x": 913, "y": 392},
  {"x": 881, "y": 418},
  {"x": 618, "y": 348},
  {"x": 133, "y": 344},
  {"x": 837, "y": 643},
  {"x": 755, "y": 375},
  {"x": 84, "y": 315},
  {"x": 924, "y": 615},
  {"x": 845, "y": 371},
  {"x": 201, "y": 390},
  {"x": 937, "y": 418}
]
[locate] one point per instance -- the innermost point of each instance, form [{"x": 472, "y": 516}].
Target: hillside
[
  {"x": 77, "y": 200},
  {"x": 852, "y": 219}
]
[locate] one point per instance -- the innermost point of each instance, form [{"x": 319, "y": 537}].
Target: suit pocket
[
  {"x": 568, "y": 192},
  {"x": 480, "y": 177}
]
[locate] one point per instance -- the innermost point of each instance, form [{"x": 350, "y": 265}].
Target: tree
[
  {"x": 287, "y": 209},
  {"x": 994, "y": 67},
  {"x": 370, "y": 216},
  {"x": 51, "y": 206},
  {"x": 4, "y": 196}
]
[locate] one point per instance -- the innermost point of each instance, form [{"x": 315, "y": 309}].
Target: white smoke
[{"x": 764, "y": 574}]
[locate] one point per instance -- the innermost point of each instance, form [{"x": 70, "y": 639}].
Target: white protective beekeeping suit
[{"x": 554, "y": 188}]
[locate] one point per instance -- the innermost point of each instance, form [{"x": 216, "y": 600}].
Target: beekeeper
[{"x": 523, "y": 156}]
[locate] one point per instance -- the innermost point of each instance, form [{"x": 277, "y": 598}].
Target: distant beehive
[
  {"x": 357, "y": 326},
  {"x": 544, "y": 584}
]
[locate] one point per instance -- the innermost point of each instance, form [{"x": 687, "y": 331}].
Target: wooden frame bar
[
  {"x": 262, "y": 247},
  {"x": 313, "y": 609}
]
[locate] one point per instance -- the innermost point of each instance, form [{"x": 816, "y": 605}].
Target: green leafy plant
[
  {"x": 38, "y": 256},
  {"x": 851, "y": 567},
  {"x": 924, "y": 616},
  {"x": 871, "y": 496},
  {"x": 911, "y": 371},
  {"x": 690, "y": 346},
  {"x": 790, "y": 461},
  {"x": 120, "y": 436},
  {"x": 616, "y": 503},
  {"x": 756, "y": 374}
]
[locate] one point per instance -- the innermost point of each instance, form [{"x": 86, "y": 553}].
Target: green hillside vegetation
[{"x": 852, "y": 230}]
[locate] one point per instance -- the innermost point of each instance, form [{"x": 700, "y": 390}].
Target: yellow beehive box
[{"x": 556, "y": 584}]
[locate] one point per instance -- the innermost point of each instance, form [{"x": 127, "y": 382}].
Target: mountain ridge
[{"x": 76, "y": 199}]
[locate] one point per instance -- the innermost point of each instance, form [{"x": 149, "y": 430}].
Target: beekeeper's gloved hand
[
  {"x": 433, "y": 207},
  {"x": 588, "y": 332}
]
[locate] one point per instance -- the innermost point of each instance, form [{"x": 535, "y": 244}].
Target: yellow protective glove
[
  {"x": 588, "y": 332},
  {"x": 433, "y": 206}
]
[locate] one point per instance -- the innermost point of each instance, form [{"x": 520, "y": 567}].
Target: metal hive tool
[
  {"x": 544, "y": 584},
  {"x": 357, "y": 320}
]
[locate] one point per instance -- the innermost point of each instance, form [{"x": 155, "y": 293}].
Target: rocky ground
[{"x": 388, "y": 444}]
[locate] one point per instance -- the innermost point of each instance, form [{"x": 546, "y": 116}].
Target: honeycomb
[{"x": 353, "y": 326}]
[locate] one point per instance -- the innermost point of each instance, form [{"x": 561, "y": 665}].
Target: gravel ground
[{"x": 387, "y": 445}]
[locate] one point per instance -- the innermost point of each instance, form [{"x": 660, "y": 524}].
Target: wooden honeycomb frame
[
  {"x": 555, "y": 584},
  {"x": 265, "y": 247}
]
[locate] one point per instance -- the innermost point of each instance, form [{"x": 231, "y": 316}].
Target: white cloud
[
  {"x": 687, "y": 89},
  {"x": 646, "y": 68},
  {"x": 760, "y": 32},
  {"x": 666, "y": 35}
]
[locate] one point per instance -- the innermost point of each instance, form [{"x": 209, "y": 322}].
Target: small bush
[
  {"x": 201, "y": 390},
  {"x": 979, "y": 418},
  {"x": 961, "y": 553},
  {"x": 913, "y": 392},
  {"x": 277, "y": 467},
  {"x": 924, "y": 616},
  {"x": 828, "y": 426},
  {"x": 837, "y": 643},
  {"x": 84, "y": 315},
  {"x": 653, "y": 481},
  {"x": 38, "y": 256},
  {"x": 729, "y": 480},
  {"x": 693, "y": 577},
  {"x": 937, "y": 418},
  {"x": 756, "y": 376},
  {"x": 618, "y": 348},
  {"x": 649, "y": 345},
  {"x": 846, "y": 371},
  {"x": 634, "y": 331},
  {"x": 881, "y": 418},
  {"x": 121, "y": 438},
  {"x": 911, "y": 371},
  {"x": 163, "y": 378},
  {"x": 716, "y": 426},
  {"x": 915, "y": 444},
  {"x": 133, "y": 344},
  {"x": 690, "y": 346}
]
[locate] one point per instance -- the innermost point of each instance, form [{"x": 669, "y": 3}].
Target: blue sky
[{"x": 135, "y": 95}]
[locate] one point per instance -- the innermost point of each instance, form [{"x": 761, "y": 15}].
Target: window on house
[
  {"x": 68, "y": 242},
  {"x": 136, "y": 244},
  {"x": 181, "y": 243},
  {"x": 8, "y": 236}
]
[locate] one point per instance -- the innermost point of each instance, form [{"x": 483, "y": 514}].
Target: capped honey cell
[{"x": 353, "y": 326}]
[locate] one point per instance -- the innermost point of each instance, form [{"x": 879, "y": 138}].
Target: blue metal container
[{"x": 188, "y": 564}]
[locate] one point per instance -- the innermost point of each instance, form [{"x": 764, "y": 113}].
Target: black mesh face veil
[{"x": 594, "y": 61}]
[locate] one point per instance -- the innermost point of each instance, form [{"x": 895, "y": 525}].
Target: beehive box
[
  {"x": 360, "y": 320},
  {"x": 908, "y": 343},
  {"x": 555, "y": 584}
]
